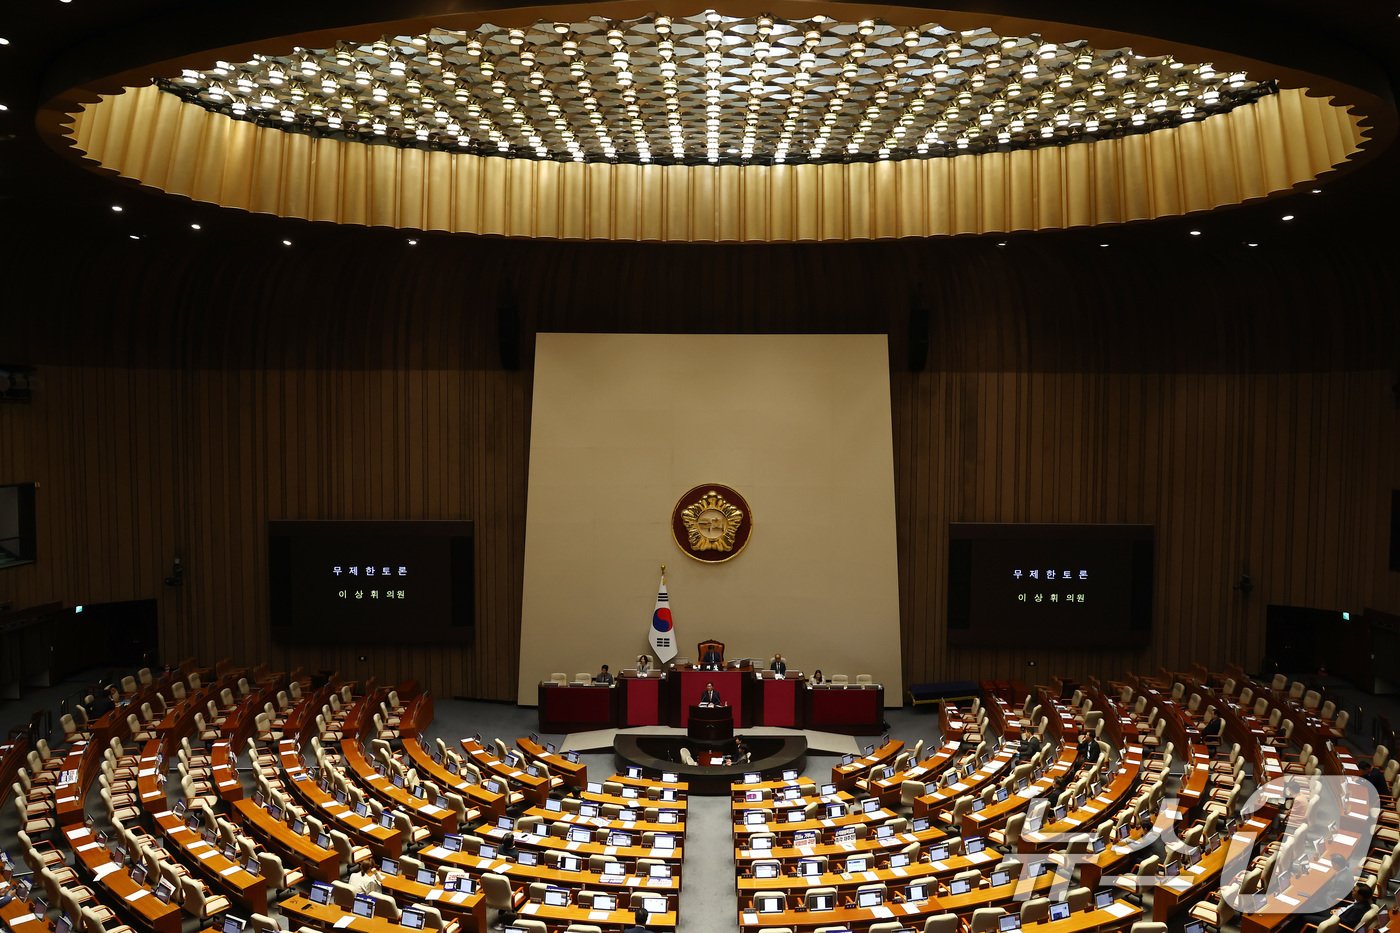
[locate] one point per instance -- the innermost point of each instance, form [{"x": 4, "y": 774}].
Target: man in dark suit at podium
[
  {"x": 711, "y": 695},
  {"x": 779, "y": 666},
  {"x": 711, "y": 659}
]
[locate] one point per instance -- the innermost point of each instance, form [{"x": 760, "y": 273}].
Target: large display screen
[
  {"x": 1081, "y": 586},
  {"x": 403, "y": 582}
]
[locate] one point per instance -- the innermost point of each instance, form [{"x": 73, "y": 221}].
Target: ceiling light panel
[{"x": 717, "y": 89}]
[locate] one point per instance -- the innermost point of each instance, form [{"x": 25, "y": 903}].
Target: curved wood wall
[{"x": 187, "y": 394}]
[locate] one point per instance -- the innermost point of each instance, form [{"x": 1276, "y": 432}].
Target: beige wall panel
[{"x": 622, "y": 425}]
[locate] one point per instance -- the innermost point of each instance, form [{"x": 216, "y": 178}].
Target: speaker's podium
[
  {"x": 690, "y": 680},
  {"x": 710, "y": 723}
]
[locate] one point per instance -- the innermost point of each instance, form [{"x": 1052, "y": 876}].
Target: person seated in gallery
[
  {"x": 778, "y": 665},
  {"x": 1087, "y": 751},
  {"x": 1211, "y": 728},
  {"x": 604, "y": 676},
  {"x": 711, "y": 660},
  {"x": 1030, "y": 744},
  {"x": 643, "y": 664},
  {"x": 711, "y": 696}
]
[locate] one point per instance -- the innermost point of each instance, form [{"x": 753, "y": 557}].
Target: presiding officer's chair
[{"x": 702, "y": 647}]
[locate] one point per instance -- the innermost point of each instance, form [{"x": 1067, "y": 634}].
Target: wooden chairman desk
[
  {"x": 622, "y": 918},
  {"x": 145, "y": 910},
  {"x": 223, "y": 769},
  {"x": 534, "y": 788},
  {"x": 306, "y": 912},
  {"x": 849, "y": 881},
  {"x": 996, "y": 814},
  {"x": 19, "y": 917},
  {"x": 572, "y": 773},
  {"x": 1095, "y": 809},
  {"x": 567, "y": 708},
  {"x": 1118, "y": 915},
  {"x": 319, "y": 864},
  {"x": 845, "y": 776},
  {"x": 476, "y": 796},
  {"x": 989, "y": 772},
  {"x": 617, "y": 801},
  {"x": 361, "y": 829},
  {"x": 225, "y": 876},
  {"x": 585, "y": 849},
  {"x": 467, "y": 909},
  {"x": 739, "y": 789},
  {"x": 565, "y": 818},
  {"x": 785, "y": 830},
  {"x": 439, "y": 820},
  {"x": 777, "y": 701},
  {"x": 545, "y": 874},
  {"x": 890, "y": 790},
  {"x": 855, "y": 710},
  {"x": 867, "y": 846},
  {"x": 639, "y": 700},
  {"x": 1173, "y": 894}
]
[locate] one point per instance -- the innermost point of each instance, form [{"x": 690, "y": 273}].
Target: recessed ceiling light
[
  {"x": 118, "y": 208},
  {"x": 518, "y": 72},
  {"x": 1287, "y": 216},
  {"x": 1317, "y": 191},
  {"x": 133, "y": 236},
  {"x": 196, "y": 227},
  {"x": 1002, "y": 243},
  {"x": 4, "y": 107},
  {"x": 412, "y": 242},
  {"x": 4, "y": 41},
  {"x": 286, "y": 242},
  {"x": 1195, "y": 233},
  {"x": 1251, "y": 244},
  {"x": 1103, "y": 246}
]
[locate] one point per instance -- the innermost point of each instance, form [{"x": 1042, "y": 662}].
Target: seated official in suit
[
  {"x": 641, "y": 925},
  {"x": 1211, "y": 728},
  {"x": 643, "y": 664},
  {"x": 711, "y": 695},
  {"x": 603, "y": 676},
  {"x": 711, "y": 659},
  {"x": 1030, "y": 744},
  {"x": 778, "y": 665},
  {"x": 1087, "y": 751}
]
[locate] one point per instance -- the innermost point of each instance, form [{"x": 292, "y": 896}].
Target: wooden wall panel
[
  {"x": 184, "y": 399},
  {"x": 1288, "y": 474},
  {"x": 122, "y": 494}
]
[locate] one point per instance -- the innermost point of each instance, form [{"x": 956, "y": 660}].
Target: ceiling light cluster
[{"x": 711, "y": 88}]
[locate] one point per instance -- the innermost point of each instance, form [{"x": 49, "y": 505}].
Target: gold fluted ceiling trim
[{"x": 1279, "y": 142}]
